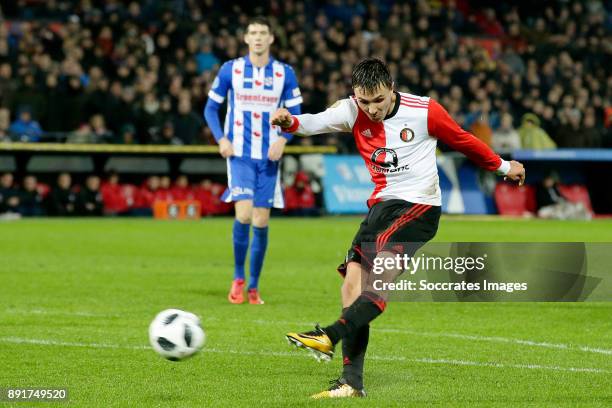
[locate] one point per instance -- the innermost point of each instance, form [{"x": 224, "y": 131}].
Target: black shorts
[{"x": 389, "y": 223}]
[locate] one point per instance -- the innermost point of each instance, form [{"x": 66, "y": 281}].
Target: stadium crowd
[{"x": 517, "y": 74}]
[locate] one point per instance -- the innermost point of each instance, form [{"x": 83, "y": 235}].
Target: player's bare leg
[
  {"x": 351, "y": 287},
  {"x": 241, "y": 230},
  {"x": 261, "y": 218}
]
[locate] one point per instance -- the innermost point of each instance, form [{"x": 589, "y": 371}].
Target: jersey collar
[
  {"x": 247, "y": 60},
  {"x": 395, "y": 107}
]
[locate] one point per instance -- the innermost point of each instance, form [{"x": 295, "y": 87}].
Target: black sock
[
  {"x": 354, "y": 348},
  {"x": 366, "y": 308}
]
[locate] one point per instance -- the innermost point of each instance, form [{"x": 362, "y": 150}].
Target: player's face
[
  {"x": 375, "y": 104},
  {"x": 259, "y": 38}
]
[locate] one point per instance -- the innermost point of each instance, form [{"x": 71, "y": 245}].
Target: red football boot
[
  {"x": 254, "y": 298},
  {"x": 236, "y": 293}
]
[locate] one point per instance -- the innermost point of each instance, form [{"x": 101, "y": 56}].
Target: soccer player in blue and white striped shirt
[{"x": 255, "y": 86}]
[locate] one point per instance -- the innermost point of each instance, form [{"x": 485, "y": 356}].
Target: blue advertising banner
[{"x": 347, "y": 185}]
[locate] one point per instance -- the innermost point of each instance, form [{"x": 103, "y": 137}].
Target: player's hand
[
  {"x": 516, "y": 173},
  {"x": 275, "y": 152},
  {"x": 226, "y": 148},
  {"x": 282, "y": 117}
]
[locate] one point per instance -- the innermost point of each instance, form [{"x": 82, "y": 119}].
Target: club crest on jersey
[
  {"x": 407, "y": 135},
  {"x": 384, "y": 157}
]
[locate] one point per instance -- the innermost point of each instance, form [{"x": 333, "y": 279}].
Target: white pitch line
[
  {"x": 58, "y": 313},
  {"x": 497, "y": 339},
  {"x": 45, "y": 342},
  {"x": 492, "y": 339}
]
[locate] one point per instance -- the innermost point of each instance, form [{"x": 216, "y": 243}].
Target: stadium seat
[
  {"x": 577, "y": 193},
  {"x": 514, "y": 200}
]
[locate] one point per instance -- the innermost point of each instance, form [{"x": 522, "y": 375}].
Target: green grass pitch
[{"x": 76, "y": 298}]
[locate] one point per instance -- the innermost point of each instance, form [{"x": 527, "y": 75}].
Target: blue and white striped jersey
[{"x": 253, "y": 95}]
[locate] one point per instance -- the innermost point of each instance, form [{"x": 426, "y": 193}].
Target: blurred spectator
[
  {"x": 552, "y": 204},
  {"x": 127, "y": 134},
  {"x": 62, "y": 199},
  {"x": 25, "y": 128},
  {"x": 205, "y": 59},
  {"x": 532, "y": 135},
  {"x": 9, "y": 195},
  {"x": 204, "y": 195},
  {"x": 31, "y": 198},
  {"x": 114, "y": 200},
  {"x": 591, "y": 136},
  {"x": 568, "y": 134},
  {"x": 89, "y": 199},
  {"x": 52, "y": 120},
  {"x": 148, "y": 192},
  {"x": 482, "y": 130},
  {"x": 81, "y": 135},
  {"x": 28, "y": 97},
  {"x": 187, "y": 124},
  {"x": 506, "y": 137},
  {"x": 165, "y": 192},
  {"x": 150, "y": 118},
  {"x": 98, "y": 128},
  {"x": 299, "y": 198},
  {"x": 167, "y": 136},
  {"x": 181, "y": 189},
  {"x": 5, "y": 123},
  {"x": 209, "y": 195},
  {"x": 8, "y": 84}
]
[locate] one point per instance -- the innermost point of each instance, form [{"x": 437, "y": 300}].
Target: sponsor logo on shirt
[
  {"x": 260, "y": 99},
  {"x": 384, "y": 157},
  {"x": 385, "y": 160}
]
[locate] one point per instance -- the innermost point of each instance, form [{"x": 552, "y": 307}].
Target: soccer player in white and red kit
[{"x": 396, "y": 134}]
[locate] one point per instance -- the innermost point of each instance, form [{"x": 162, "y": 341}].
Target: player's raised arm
[
  {"x": 441, "y": 126},
  {"x": 337, "y": 118}
]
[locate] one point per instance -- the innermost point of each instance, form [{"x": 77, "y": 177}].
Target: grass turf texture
[{"x": 77, "y": 297}]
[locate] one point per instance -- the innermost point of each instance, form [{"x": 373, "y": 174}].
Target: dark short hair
[
  {"x": 370, "y": 73},
  {"x": 261, "y": 20}
]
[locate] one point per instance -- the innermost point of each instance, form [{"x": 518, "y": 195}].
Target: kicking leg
[
  {"x": 353, "y": 346},
  {"x": 367, "y": 307}
]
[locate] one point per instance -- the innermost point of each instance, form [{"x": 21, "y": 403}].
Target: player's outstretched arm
[
  {"x": 340, "y": 117},
  {"x": 441, "y": 126}
]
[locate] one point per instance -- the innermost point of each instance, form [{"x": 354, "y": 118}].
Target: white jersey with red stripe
[{"x": 400, "y": 151}]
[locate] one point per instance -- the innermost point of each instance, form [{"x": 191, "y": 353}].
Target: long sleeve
[
  {"x": 211, "y": 114},
  {"x": 216, "y": 96},
  {"x": 441, "y": 126},
  {"x": 340, "y": 117}
]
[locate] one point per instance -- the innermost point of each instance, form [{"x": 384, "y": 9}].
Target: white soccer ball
[{"x": 176, "y": 334}]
